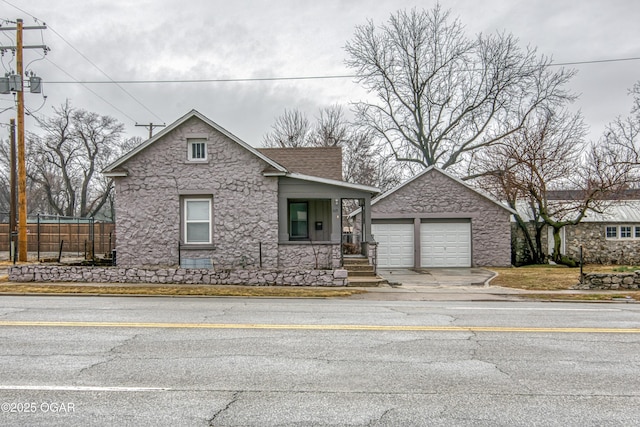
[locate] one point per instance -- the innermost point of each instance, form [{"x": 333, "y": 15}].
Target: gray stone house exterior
[
  {"x": 608, "y": 237},
  {"x": 195, "y": 194},
  {"x": 436, "y": 220}
]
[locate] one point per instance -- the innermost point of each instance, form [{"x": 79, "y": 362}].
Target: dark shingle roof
[{"x": 323, "y": 162}]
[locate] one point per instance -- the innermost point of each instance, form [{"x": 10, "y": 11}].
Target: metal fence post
[{"x": 38, "y": 236}]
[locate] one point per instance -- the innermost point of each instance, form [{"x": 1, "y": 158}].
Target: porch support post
[
  {"x": 336, "y": 220},
  {"x": 366, "y": 219}
]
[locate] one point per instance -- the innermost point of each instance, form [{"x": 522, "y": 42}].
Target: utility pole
[
  {"x": 22, "y": 170},
  {"x": 12, "y": 202},
  {"x": 150, "y": 126}
]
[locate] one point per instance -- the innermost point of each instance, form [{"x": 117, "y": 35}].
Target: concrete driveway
[{"x": 435, "y": 277}]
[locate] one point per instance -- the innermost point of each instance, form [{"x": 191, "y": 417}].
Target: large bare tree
[
  {"x": 66, "y": 159},
  {"x": 441, "y": 96}
]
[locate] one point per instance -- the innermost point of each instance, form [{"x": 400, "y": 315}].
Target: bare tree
[
  {"x": 66, "y": 159},
  {"x": 332, "y": 129},
  {"x": 622, "y": 136},
  {"x": 289, "y": 130},
  {"x": 364, "y": 160},
  {"x": 441, "y": 96},
  {"x": 550, "y": 154}
]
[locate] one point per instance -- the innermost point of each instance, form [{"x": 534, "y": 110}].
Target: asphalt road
[{"x": 67, "y": 361}]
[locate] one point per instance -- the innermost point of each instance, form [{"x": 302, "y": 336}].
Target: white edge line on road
[
  {"x": 532, "y": 309},
  {"x": 78, "y": 388}
]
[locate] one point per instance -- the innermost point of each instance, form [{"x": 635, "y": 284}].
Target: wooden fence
[{"x": 76, "y": 237}]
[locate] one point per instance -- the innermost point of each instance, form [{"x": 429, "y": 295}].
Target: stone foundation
[
  {"x": 180, "y": 276},
  {"x": 610, "y": 281}
]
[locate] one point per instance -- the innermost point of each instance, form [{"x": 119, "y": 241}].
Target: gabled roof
[
  {"x": 427, "y": 170},
  {"x": 325, "y": 162},
  {"x": 274, "y": 168},
  {"x": 114, "y": 168}
]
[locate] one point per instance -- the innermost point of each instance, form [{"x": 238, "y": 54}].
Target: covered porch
[{"x": 312, "y": 223}]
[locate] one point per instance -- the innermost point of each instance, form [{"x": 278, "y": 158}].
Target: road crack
[
  {"x": 234, "y": 399},
  {"x": 112, "y": 354},
  {"x": 378, "y": 421}
]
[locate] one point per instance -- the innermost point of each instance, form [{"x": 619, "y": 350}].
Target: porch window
[
  {"x": 298, "y": 220},
  {"x": 197, "y": 221}
]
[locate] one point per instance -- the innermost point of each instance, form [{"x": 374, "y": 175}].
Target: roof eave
[
  {"x": 115, "y": 174},
  {"x": 344, "y": 184}
]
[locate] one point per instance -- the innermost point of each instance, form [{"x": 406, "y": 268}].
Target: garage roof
[{"x": 427, "y": 170}]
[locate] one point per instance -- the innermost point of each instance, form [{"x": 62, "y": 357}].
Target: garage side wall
[{"x": 436, "y": 196}]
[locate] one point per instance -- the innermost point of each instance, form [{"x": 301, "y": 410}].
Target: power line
[
  {"x": 90, "y": 62},
  {"x": 250, "y": 79},
  {"x": 90, "y": 90},
  {"x": 595, "y": 61},
  {"x": 105, "y": 74},
  {"x": 317, "y": 77}
]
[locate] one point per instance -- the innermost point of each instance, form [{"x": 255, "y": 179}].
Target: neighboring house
[
  {"x": 436, "y": 220},
  {"x": 196, "y": 195},
  {"x": 610, "y": 237}
]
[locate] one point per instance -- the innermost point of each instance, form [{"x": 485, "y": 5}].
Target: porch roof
[{"x": 334, "y": 182}]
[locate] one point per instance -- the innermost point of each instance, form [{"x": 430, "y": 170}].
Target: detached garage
[{"x": 436, "y": 220}]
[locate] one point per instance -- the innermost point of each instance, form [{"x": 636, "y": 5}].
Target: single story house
[
  {"x": 437, "y": 220},
  {"x": 196, "y": 195},
  {"x": 608, "y": 237}
]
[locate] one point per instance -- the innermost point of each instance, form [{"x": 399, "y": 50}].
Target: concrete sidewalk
[{"x": 439, "y": 284}]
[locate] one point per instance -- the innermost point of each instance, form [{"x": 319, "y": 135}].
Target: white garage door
[
  {"x": 445, "y": 244},
  {"x": 395, "y": 244}
]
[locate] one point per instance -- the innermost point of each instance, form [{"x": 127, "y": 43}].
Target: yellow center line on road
[{"x": 405, "y": 328}]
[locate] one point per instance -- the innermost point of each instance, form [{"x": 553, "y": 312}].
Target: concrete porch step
[
  {"x": 355, "y": 261},
  {"x": 363, "y": 267},
  {"x": 366, "y": 282},
  {"x": 362, "y": 273}
]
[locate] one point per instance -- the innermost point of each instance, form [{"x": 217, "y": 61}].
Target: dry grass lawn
[
  {"x": 537, "y": 277},
  {"x": 557, "y": 277},
  {"x": 548, "y": 277}
]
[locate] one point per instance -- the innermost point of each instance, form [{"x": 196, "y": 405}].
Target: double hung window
[{"x": 197, "y": 221}]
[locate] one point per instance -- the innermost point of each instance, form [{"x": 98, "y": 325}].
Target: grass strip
[{"x": 212, "y": 290}]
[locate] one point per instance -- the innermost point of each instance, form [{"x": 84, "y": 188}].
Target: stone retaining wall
[
  {"x": 610, "y": 281},
  {"x": 286, "y": 277}
]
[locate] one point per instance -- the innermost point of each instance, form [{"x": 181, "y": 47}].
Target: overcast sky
[{"x": 212, "y": 39}]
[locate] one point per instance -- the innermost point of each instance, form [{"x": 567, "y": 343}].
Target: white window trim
[
  {"x": 190, "y": 143},
  {"x": 186, "y": 200},
  {"x": 619, "y": 232}
]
